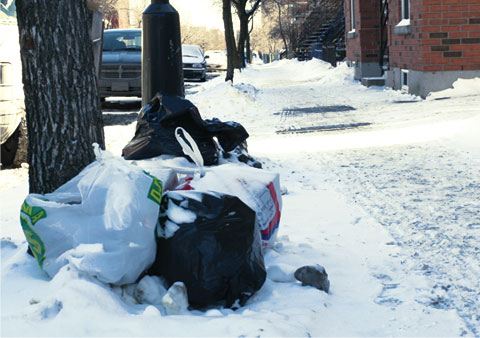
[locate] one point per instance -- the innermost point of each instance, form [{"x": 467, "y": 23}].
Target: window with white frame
[
  {"x": 405, "y": 9},
  {"x": 352, "y": 15}
]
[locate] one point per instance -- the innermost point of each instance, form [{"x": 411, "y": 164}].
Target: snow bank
[{"x": 461, "y": 88}]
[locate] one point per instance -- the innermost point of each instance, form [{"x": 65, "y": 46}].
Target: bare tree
[
  {"x": 206, "y": 38},
  {"x": 244, "y": 16},
  {"x": 232, "y": 58},
  {"x": 287, "y": 27},
  {"x": 109, "y": 12},
  {"x": 135, "y": 12},
  {"x": 63, "y": 110},
  {"x": 261, "y": 38},
  {"x": 281, "y": 30}
]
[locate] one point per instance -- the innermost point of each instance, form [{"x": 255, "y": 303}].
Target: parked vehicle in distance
[
  {"x": 217, "y": 60},
  {"x": 194, "y": 64},
  {"x": 121, "y": 68}
]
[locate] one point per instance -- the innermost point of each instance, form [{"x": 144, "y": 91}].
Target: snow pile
[{"x": 461, "y": 88}]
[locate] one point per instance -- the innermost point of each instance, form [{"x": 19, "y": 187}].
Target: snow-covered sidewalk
[{"x": 381, "y": 188}]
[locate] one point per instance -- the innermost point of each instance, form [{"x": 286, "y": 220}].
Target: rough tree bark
[
  {"x": 229, "y": 39},
  {"x": 62, "y": 106}
]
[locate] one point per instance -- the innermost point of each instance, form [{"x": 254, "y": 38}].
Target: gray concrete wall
[
  {"x": 366, "y": 69},
  {"x": 392, "y": 78},
  {"x": 422, "y": 83}
]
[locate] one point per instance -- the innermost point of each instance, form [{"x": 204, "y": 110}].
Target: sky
[{"x": 199, "y": 12}]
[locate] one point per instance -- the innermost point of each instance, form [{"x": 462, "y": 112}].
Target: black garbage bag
[
  {"x": 156, "y": 124},
  {"x": 218, "y": 256}
]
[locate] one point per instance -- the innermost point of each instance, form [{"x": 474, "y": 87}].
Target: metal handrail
[{"x": 383, "y": 33}]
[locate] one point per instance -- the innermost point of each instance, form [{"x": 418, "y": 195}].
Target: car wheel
[
  {"x": 9, "y": 149},
  {"x": 22, "y": 147},
  {"x": 203, "y": 79}
]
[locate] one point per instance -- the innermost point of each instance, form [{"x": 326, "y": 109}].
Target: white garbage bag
[{"x": 102, "y": 222}]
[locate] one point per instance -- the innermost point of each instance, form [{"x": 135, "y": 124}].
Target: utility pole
[{"x": 162, "y": 69}]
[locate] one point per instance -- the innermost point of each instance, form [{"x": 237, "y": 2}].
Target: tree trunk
[
  {"x": 282, "y": 33},
  {"x": 247, "y": 42},
  {"x": 244, "y": 16},
  {"x": 229, "y": 40},
  {"x": 242, "y": 38},
  {"x": 248, "y": 51},
  {"x": 63, "y": 110}
]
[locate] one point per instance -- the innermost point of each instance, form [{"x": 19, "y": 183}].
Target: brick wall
[
  {"x": 352, "y": 44},
  {"x": 445, "y": 35},
  {"x": 363, "y": 46}
]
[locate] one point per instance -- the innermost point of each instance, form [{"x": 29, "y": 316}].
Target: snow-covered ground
[{"x": 381, "y": 188}]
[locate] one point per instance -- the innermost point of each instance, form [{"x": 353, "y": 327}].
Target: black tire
[
  {"x": 203, "y": 79},
  {"x": 9, "y": 149},
  {"x": 22, "y": 148}
]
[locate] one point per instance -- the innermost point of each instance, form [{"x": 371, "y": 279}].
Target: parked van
[{"x": 12, "y": 111}]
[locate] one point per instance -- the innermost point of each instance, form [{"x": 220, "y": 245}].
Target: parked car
[
  {"x": 194, "y": 63},
  {"x": 121, "y": 69},
  {"x": 217, "y": 60}
]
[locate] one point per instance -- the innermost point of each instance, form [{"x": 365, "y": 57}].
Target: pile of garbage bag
[
  {"x": 158, "y": 120},
  {"x": 203, "y": 226}
]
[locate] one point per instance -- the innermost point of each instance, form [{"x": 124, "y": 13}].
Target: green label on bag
[
  {"x": 34, "y": 213},
  {"x": 28, "y": 218},
  {"x": 156, "y": 190}
]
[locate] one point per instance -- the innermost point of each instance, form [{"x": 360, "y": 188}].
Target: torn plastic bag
[
  {"x": 156, "y": 124},
  {"x": 102, "y": 222},
  {"x": 211, "y": 243}
]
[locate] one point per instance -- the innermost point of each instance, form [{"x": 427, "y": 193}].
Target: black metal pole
[{"x": 161, "y": 51}]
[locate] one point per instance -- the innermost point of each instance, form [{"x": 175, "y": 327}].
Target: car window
[
  {"x": 116, "y": 41},
  {"x": 5, "y": 73},
  {"x": 188, "y": 50}
]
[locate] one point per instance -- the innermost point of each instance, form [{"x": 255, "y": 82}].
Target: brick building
[{"x": 428, "y": 44}]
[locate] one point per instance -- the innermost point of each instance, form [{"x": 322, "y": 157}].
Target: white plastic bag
[{"x": 102, "y": 222}]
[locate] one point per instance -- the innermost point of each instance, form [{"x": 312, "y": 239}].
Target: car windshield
[
  {"x": 122, "y": 40},
  {"x": 191, "y": 51}
]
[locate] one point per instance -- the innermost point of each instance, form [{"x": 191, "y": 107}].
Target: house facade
[{"x": 421, "y": 46}]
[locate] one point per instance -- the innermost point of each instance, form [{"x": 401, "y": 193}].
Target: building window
[
  {"x": 404, "y": 80},
  {"x": 352, "y": 15},
  {"x": 405, "y": 9},
  {"x": 404, "y": 27},
  {"x": 5, "y": 73}
]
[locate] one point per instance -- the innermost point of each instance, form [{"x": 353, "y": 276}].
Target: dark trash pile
[{"x": 158, "y": 120}]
